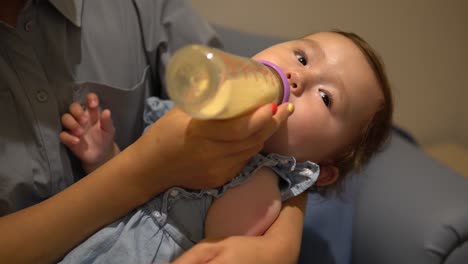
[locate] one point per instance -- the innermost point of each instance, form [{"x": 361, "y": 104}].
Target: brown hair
[{"x": 377, "y": 131}]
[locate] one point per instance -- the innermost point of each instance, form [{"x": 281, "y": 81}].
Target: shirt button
[
  {"x": 41, "y": 96},
  {"x": 174, "y": 193},
  {"x": 28, "y": 26}
]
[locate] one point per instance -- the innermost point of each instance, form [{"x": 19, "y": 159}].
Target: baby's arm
[
  {"x": 89, "y": 133},
  {"x": 248, "y": 209}
]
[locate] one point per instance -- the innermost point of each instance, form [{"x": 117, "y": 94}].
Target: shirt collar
[{"x": 71, "y": 9}]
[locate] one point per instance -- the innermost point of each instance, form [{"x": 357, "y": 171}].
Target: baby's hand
[{"x": 89, "y": 133}]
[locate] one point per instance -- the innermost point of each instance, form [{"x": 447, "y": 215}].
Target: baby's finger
[
  {"x": 92, "y": 103},
  {"x": 106, "y": 121},
  {"x": 78, "y": 113},
  {"x": 70, "y": 123},
  {"x": 68, "y": 139}
]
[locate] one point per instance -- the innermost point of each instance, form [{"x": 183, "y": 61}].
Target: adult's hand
[
  {"x": 236, "y": 249},
  {"x": 206, "y": 153}
]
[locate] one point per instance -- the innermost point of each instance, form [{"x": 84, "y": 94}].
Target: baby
[{"x": 342, "y": 116}]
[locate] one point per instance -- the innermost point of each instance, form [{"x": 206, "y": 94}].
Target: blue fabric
[
  {"x": 327, "y": 233},
  {"x": 155, "y": 108}
]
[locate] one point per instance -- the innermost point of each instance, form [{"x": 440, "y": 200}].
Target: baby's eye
[
  {"x": 301, "y": 59},
  {"x": 326, "y": 98}
]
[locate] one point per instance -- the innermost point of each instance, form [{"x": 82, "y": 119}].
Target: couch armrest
[{"x": 410, "y": 209}]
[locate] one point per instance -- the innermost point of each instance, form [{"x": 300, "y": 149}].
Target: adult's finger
[
  {"x": 257, "y": 139},
  {"x": 233, "y": 129},
  {"x": 201, "y": 253},
  {"x": 284, "y": 111}
]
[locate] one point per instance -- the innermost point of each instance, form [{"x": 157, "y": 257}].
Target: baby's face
[{"x": 334, "y": 92}]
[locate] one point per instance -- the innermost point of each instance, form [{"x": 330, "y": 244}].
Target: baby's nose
[{"x": 294, "y": 82}]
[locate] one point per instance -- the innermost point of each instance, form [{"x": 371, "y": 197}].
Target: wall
[
  {"x": 423, "y": 43},
  {"x": 462, "y": 116}
]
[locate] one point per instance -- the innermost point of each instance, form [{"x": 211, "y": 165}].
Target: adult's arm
[
  {"x": 279, "y": 245},
  {"x": 175, "y": 145}
]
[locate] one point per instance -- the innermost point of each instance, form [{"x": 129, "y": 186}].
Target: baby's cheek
[
  {"x": 298, "y": 137},
  {"x": 302, "y": 140}
]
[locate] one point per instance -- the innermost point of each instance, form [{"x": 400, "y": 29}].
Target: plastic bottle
[{"x": 208, "y": 83}]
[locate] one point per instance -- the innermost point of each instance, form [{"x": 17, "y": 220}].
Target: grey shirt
[{"x": 60, "y": 51}]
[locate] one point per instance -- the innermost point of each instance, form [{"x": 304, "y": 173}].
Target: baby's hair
[{"x": 377, "y": 131}]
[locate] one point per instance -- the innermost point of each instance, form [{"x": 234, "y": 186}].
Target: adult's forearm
[
  {"x": 43, "y": 233},
  {"x": 285, "y": 234}
]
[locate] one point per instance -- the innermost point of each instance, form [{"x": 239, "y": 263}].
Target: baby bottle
[{"x": 208, "y": 83}]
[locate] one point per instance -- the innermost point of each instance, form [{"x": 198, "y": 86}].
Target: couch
[{"x": 403, "y": 208}]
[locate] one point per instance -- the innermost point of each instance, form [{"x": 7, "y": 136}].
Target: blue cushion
[{"x": 328, "y": 225}]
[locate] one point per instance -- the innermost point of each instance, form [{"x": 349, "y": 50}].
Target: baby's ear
[{"x": 328, "y": 175}]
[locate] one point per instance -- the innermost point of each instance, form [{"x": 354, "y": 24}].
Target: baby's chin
[{"x": 278, "y": 145}]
